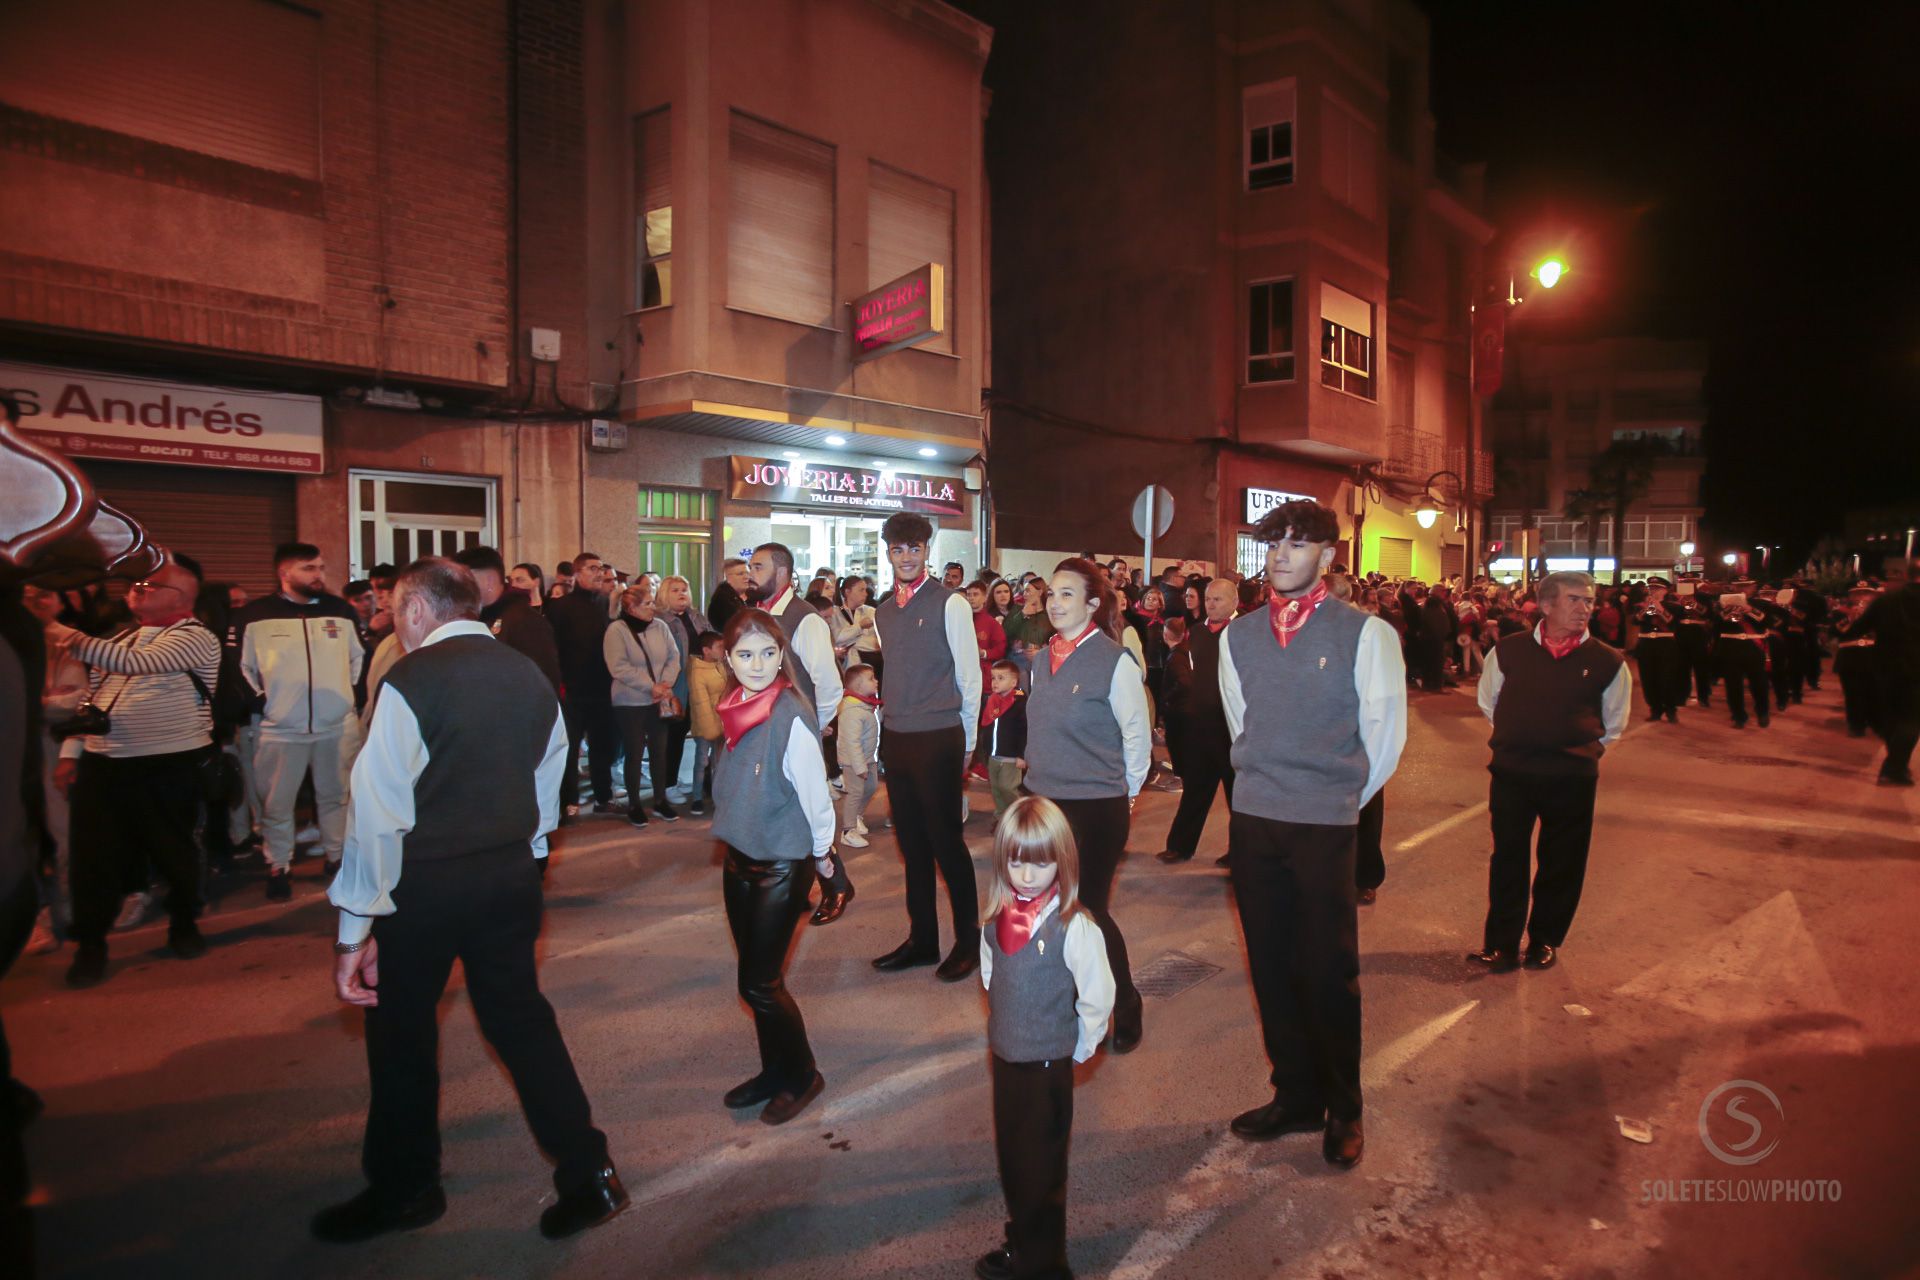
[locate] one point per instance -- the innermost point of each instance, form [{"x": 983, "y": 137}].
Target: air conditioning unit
[{"x": 606, "y": 435}]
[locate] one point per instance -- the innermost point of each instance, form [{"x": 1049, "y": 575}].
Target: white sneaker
[
  {"x": 839, "y": 784},
  {"x": 136, "y": 909},
  {"x": 853, "y": 839},
  {"x": 309, "y": 834},
  {"x": 860, "y": 825},
  {"x": 43, "y": 942}
]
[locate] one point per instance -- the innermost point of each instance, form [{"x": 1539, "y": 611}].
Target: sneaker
[
  {"x": 853, "y": 839},
  {"x": 309, "y": 834},
  {"x": 666, "y": 812},
  {"x": 839, "y": 784},
  {"x": 636, "y": 817},
  {"x": 279, "y": 886},
  {"x": 44, "y": 941},
  {"x": 608, "y": 806},
  {"x": 698, "y": 808},
  {"x": 860, "y": 825},
  {"x": 136, "y": 909}
]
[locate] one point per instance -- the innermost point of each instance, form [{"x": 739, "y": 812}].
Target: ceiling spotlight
[
  {"x": 836, "y": 441},
  {"x": 928, "y": 451},
  {"x": 789, "y": 453}
]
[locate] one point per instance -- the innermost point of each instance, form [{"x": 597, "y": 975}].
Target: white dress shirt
[
  {"x": 380, "y": 809},
  {"x": 1380, "y": 680},
  {"x": 812, "y": 646},
  {"x": 1085, "y": 951},
  {"x": 1616, "y": 703},
  {"x": 805, "y": 769},
  {"x": 965, "y": 646}
]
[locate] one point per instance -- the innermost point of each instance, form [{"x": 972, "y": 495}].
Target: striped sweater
[{"x": 140, "y": 678}]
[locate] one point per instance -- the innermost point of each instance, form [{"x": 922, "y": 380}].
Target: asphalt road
[{"x": 1745, "y": 918}]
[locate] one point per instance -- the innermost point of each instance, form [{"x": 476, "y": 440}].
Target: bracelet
[{"x": 348, "y": 948}]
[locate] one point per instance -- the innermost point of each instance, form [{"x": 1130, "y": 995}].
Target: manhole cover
[{"x": 1171, "y": 974}]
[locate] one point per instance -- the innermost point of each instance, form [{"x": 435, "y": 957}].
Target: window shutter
[
  {"x": 653, "y": 208},
  {"x": 1352, "y": 314},
  {"x": 780, "y": 223},
  {"x": 237, "y": 79},
  {"x": 1269, "y": 104},
  {"x": 909, "y": 224}
]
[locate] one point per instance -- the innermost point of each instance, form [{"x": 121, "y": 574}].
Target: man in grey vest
[
  {"x": 1315, "y": 695},
  {"x": 770, "y": 587},
  {"x": 932, "y": 713},
  {"x": 460, "y": 792}
]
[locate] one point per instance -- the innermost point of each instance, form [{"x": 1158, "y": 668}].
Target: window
[
  {"x": 652, "y": 211},
  {"x": 1346, "y": 342},
  {"x": 1270, "y": 331},
  {"x": 1268, "y": 111},
  {"x": 1250, "y": 555},
  {"x": 397, "y": 517},
  {"x": 675, "y": 531},
  {"x": 909, "y": 224},
  {"x": 780, "y": 223},
  {"x": 1349, "y": 161},
  {"x": 1399, "y": 388}
]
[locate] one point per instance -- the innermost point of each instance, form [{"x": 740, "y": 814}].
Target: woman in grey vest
[
  {"x": 1088, "y": 745},
  {"x": 773, "y": 811}
]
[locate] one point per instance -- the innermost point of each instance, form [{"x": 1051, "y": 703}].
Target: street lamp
[
  {"x": 1431, "y": 506},
  {"x": 1686, "y": 550},
  {"x": 1549, "y": 272},
  {"x": 1730, "y": 559}
]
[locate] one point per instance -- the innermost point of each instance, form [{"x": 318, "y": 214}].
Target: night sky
[{"x": 1743, "y": 173}]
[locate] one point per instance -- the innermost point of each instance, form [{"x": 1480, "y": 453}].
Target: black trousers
[
  {"x": 1203, "y": 768},
  {"x": 923, "y": 790},
  {"x": 1663, "y": 674},
  {"x": 678, "y": 727},
  {"x": 1810, "y": 656},
  {"x": 1783, "y": 661},
  {"x": 643, "y": 731},
  {"x": 1294, "y": 886},
  {"x": 1370, "y": 862},
  {"x": 1853, "y": 667},
  {"x": 593, "y": 722},
  {"x": 1562, "y": 808},
  {"x": 1100, "y": 831},
  {"x": 129, "y": 813},
  {"x": 19, "y": 904},
  {"x": 1743, "y": 665},
  {"x": 765, "y": 904},
  {"x": 483, "y": 910},
  {"x": 1696, "y": 661},
  {"x": 1032, "y": 1129}
]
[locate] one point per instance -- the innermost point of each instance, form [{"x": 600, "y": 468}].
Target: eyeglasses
[{"x": 144, "y": 585}]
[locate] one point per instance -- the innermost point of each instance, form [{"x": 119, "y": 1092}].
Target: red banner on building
[{"x": 1489, "y": 346}]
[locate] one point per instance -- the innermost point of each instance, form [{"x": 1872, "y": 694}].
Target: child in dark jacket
[{"x": 1003, "y": 736}]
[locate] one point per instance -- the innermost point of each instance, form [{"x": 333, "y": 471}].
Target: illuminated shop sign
[
  {"x": 1261, "y": 501},
  {"x": 900, "y": 313},
  {"x": 807, "y": 485}
]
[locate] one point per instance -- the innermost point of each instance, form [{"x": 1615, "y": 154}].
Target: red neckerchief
[
  {"x": 742, "y": 712},
  {"x": 1015, "y": 922},
  {"x": 1287, "y": 616},
  {"x": 872, "y": 701},
  {"x": 1059, "y": 648},
  {"x": 998, "y": 705},
  {"x": 1148, "y": 616},
  {"x": 1561, "y": 648},
  {"x": 906, "y": 591}
]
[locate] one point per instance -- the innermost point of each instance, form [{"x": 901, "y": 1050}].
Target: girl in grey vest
[
  {"x": 773, "y": 811},
  {"x": 1050, "y": 990}
]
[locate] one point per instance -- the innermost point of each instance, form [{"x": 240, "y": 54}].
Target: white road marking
[
  {"x": 833, "y": 1114},
  {"x": 1207, "y": 1189},
  {"x": 1441, "y": 827}
]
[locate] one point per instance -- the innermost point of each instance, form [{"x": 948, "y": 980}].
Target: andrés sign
[
  {"x": 101, "y": 415},
  {"x": 797, "y": 484},
  {"x": 900, "y": 312}
]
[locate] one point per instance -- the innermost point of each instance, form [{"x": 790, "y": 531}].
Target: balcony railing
[{"x": 1414, "y": 455}]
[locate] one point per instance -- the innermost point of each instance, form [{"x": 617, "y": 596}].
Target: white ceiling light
[
  {"x": 928, "y": 451},
  {"x": 836, "y": 441},
  {"x": 790, "y": 453}
]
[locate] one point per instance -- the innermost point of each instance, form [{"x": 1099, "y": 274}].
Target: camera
[{"x": 88, "y": 721}]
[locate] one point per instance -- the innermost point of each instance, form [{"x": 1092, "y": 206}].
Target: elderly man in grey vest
[
  {"x": 460, "y": 792},
  {"x": 1315, "y": 695}
]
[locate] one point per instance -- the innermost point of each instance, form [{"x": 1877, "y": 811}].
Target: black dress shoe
[
  {"x": 602, "y": 1198},
  {"x": 787, "y": 1104},
  {"x": 1673, "y": 717},
  {"x": 1224, "y": 860},
  {"x": 997, "y": 1265},
  {"x": 908, "y": 955},
  {"x": 368, "y": 1215},
  {"x": 184, "y": 938},
  {"x": 1128, "y": 1028},
  {"x": 1366, "y": 897},
  {"x": 1540, "y": 956},
  {"x": 961, "y": 963},
  {"x": 750, "y": 1093},
  {"x": 1344, "y": 1143},
  {"x": 89, "y": 967},
  {"x": 1277, "y": 1118},
  {"x": 1896, "y": 779},
  {"x": 832, "y": 906},
  {"x": 1496, "y": 959},
  {"x": 1171, "y": 856}
]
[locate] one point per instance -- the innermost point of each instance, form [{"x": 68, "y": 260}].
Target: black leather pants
[{"x": 765, "y": 903}]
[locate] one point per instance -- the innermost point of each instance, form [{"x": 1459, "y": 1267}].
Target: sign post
[{"x": 1152, "y": 517}]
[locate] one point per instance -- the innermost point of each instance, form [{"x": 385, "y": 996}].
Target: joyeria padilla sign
[
  {"x": 801, "y": 484},
  {"x": 900, "y": 312},
  {"x": 101, "y": 415}
]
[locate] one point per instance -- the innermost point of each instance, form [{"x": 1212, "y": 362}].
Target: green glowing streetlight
[{"x": 1549, "y": 272}]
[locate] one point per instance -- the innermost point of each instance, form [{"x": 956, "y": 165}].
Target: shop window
[
  {"x": 675, "y": 537},
  {"x": 1270, "y": 331},
  {"x": 399, "y": 517},
  {"x": 653, "y": 210}
]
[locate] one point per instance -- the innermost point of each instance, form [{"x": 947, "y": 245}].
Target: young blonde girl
[{"x": 1050, "y": 992}]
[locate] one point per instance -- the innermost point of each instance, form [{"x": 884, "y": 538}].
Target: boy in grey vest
[{"x": 1315, "y": 695}]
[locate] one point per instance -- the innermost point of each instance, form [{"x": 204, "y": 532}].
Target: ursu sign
[
  {"x": 797, "y": 484},
  {"x": 900, "y": 313}
]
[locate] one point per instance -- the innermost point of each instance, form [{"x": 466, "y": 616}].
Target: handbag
[{"x": 670, "y": 707}]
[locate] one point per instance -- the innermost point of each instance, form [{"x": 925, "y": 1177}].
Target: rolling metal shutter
[
  {"x": 1396, "y": 557},
  {"x": 230, "y": 521}
]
